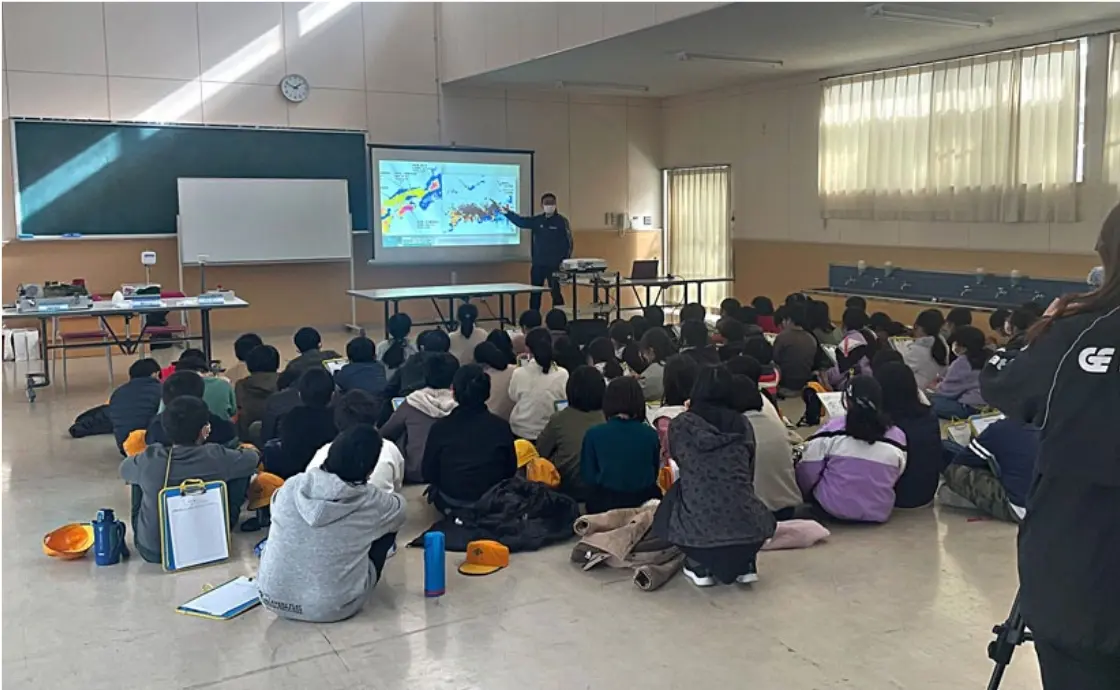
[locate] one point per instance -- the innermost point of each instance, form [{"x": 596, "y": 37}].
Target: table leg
[
  {"x": 512, "y": 309},
  {"x": 206, "y": 344},
  {"x": 649, "y": 295},
  {"x": 699, "y": 292},
  {"x": 386, "y": 305},
  {"x": 575, "y": 296}
]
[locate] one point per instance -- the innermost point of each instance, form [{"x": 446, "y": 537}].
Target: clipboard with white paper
[
  {"x": 227, "y": 600},
  {"x": 194, "y": 524},
  {"x": 833, "y": 403}
]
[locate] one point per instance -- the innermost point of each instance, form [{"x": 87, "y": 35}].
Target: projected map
[{"x": 426, "y": 204}]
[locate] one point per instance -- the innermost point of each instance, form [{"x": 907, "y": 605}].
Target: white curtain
[
  {"x": 699, "y": 228},
  {"x": 991, "y": 138},
  {"x": 1112, "y": 131}
]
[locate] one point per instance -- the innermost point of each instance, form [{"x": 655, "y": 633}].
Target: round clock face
[{"x": 295, "y": 88}]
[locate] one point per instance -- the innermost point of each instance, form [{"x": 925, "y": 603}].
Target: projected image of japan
[{"x": 445, "y": 204}]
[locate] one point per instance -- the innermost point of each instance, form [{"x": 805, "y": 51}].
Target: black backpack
[{"x": 92, "y": 422}]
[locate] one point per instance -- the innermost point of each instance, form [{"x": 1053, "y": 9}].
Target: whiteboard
[{"x": 253, "y": 220}]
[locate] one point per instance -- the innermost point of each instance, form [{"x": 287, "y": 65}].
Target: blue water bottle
[
  {"x": 108, "y": 538},
  {"x": 434, "y": 575}
]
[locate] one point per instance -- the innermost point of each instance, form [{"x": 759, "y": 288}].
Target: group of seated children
[{"x": 343, "y": 446}]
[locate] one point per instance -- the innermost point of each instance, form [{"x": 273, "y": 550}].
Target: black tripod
[{"x": 1009, "y": 634}]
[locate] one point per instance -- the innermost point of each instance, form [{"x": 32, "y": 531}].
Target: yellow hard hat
[{"x": 69, "y": 542}]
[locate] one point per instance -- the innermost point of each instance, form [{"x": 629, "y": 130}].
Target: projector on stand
[{"x": 583, "y": 265}]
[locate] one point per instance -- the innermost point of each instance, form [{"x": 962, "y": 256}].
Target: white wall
[
  {"x": 483, "y": 36},
  {"x": 372, "y": 67},
  {"x": 769, "y": 134}
]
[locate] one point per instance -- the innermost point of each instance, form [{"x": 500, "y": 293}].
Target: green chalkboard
[{"x": 101, "y": 178}]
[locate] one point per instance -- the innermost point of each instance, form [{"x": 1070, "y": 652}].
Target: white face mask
[{"x": 549, "y": 209}]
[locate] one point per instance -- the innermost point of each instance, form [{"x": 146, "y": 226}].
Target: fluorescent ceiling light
[
  {"x": 718, "y": 57},
  {"x": 907, "y": 13},
  {"x": 601, "y": 85}
]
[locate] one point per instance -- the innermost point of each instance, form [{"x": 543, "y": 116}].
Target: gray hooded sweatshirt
[{"x": 316, "y": 564}]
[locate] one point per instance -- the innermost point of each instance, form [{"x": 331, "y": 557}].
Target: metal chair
[
  {"x": 168, "y": 330},
  {"x": 77, "y": 337}
]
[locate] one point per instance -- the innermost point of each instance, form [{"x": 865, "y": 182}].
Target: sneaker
[
  {"x": 699, "y": 576},
  {"x": 749, "y": 577}
]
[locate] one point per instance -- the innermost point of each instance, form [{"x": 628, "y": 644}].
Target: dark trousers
[
  {"x": 1066, "y": 669},
  {"x": 379, "y": 551},
  {"x": 725, "y": 563},
  {"x": 537, "y": 276}
]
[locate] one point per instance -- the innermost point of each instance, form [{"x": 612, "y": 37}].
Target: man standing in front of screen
[{"x": 551, "y": 244}]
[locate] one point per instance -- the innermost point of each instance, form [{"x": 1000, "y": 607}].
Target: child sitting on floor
[
  {"x": 764, "y": 309},
  {"x": 410, "y": 424},
  {"x": 850, "y": 466},
  {"x": 187, "y": 454},
  {"x": 218, "y": 394},
  {"x": 655, "y": 349},
  {"x": 712, "y": 512},
  {"x": 853, "y": 354},
  {"x": 536, "y": 386},
  {"x": 600, "y": 353},
  {"x": 795, "y": 350},
  {"x": 467, "y": 336},
  {"x": 995, "y": 471},
  {"x": 529, "y": 319},
  {"x": 620, "y": 459},
  {"x": 189, "y": 384},
  {"x": 409, "y": 376},
  {"x": 132, "y": 405},
  {"x": 356, "y": 408},
  {"x": 309, "y": 343},
  {"x": 470, "y": 450},
  {"x": 928, "y": 354},
  {"x": 495, "y": 362},
  {"x": 958, "y": 317},
  {"x": 331, "y": 533},
  {"x": 253, "y": 391},
  {"x": 397, "y": 348},
  {"x": 917, "y": 421},
  {"x": 680, "y": 376},
  {"x": 557, "y": 323},
  {"x": 306, "y": 427},
  {"x": 621, "y": 334},
  {"x": 695, "y": 343},
  {"x": 363, "y": 371},
  {"x": 958, "y": 396},
  {"x": 561, "y": 441},
  {"x": 244, "y": 344},
  {"x": 280, "y": 403}
]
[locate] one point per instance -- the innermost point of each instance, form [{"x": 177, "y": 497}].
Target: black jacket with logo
[
  {"x": 1067, "y": 383},
  {"x": 552, "y": 237}
]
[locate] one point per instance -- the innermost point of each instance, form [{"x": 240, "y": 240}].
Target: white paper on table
[
  {"x": 228, "y": 597},
  {"x": 199, "y": 528},
  {"x": 833, "y": 403}
]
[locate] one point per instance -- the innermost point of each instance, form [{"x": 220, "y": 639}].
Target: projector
[{"x": 583, "y": 265}]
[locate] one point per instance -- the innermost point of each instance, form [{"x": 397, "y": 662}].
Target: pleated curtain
[
  {"x": 699, "y": 229},
  {"x": 1112, "y": 129},
  {"x": 991, "y": 138}
]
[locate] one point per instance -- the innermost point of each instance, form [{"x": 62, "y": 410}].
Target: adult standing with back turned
[
  {"x": 1066, "y": 382},
  {"x": 551, "y": 244}
]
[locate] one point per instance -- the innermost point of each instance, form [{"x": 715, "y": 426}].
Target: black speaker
[{"x": 583, "y": 331}]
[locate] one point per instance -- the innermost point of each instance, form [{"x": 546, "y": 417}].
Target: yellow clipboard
[{"x": 194, "y": 525}]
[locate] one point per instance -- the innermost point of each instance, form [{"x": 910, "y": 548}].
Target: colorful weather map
[{"x": 426, "y": 203}]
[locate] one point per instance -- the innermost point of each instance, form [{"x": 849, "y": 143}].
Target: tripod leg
[{"x": 1009, "y": 635}]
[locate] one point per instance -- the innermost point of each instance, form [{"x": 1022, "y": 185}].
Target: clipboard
[
  {"x": 979, "y": 422},
  {"x": 194, "y": 524},
  {"x": 833, "y": 403},
  {"x": 227, "y": 600}
]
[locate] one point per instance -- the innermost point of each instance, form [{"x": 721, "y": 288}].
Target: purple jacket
[
  {"x": 962, "y": 383},
  {"x": 849, "y": 478}
]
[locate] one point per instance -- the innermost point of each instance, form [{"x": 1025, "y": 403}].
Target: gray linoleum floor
[{"x": 907, "y": 605}]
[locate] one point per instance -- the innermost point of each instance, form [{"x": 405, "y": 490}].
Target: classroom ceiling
[{"x": 809, "y": 37}]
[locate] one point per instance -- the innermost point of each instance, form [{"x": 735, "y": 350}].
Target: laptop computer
[{"x": 645, "y": 269}]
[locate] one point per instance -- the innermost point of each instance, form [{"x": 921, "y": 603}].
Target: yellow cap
[
  {"x": 484, "y": 557},
  {"x": 261, "y": 489}
]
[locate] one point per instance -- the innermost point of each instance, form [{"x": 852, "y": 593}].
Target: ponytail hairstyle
[
  {"x": 974, "y": 343},
  {"x": 931, "y": 322},
  {"x": 601, "y": 351},
  {"x": 865, "y": 419},
  {"x": 399, "y": 325},
  {"x": 467, "y": 315},
  {"x": 488, "y": 353},
  {"x": 539, "y": 343}
]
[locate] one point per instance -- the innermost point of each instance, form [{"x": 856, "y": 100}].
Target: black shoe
[
  {"x": 699, "y": 575},
  {"x": 751, "y": 576}
]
